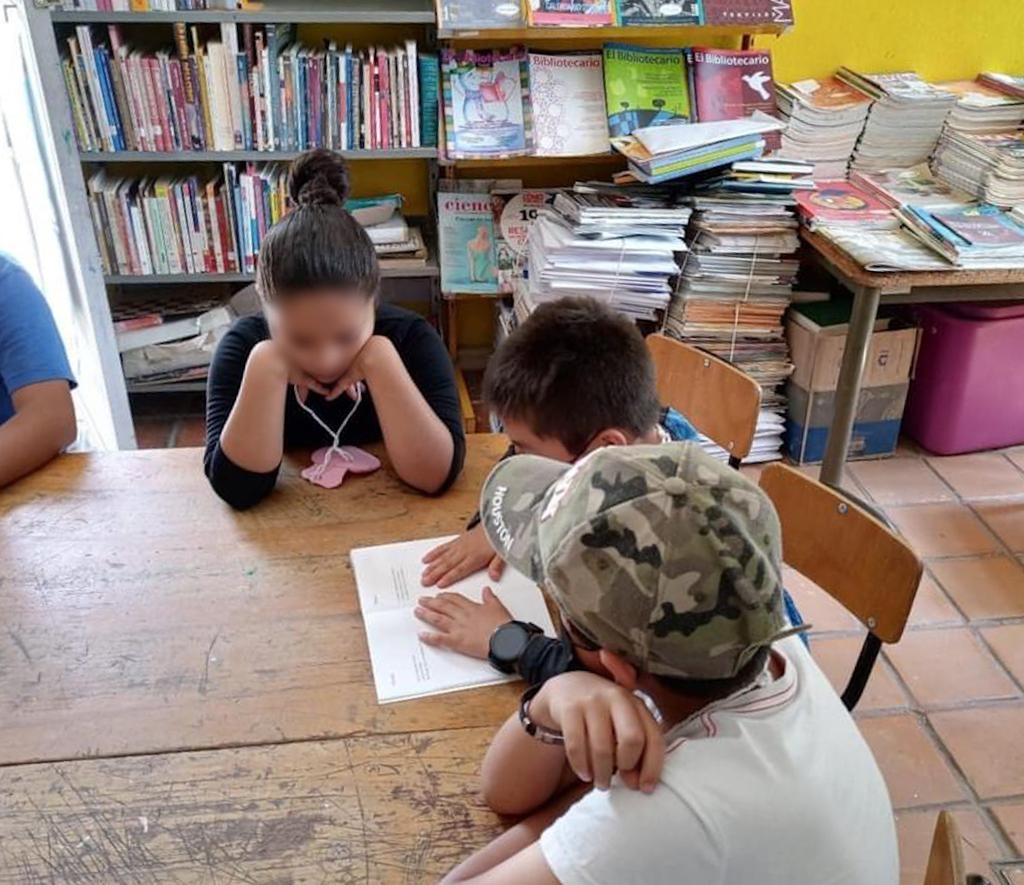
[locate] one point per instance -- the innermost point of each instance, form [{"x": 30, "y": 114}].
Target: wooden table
[
  {"x": 185, "y": 691},
  {"x": 870, "y": 289}
]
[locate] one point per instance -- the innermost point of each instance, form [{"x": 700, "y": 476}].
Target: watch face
[{"x": 508, "y": 641}]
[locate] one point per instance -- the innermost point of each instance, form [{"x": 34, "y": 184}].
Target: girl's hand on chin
[
  {"x": 267, "y": 358},
  {"x": 373, "y": 356}
]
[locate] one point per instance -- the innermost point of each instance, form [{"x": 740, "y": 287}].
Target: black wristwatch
[{"x": 508, "y": 643}]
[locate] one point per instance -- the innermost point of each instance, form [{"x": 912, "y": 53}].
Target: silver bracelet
[{"x": 652, "y": 707}]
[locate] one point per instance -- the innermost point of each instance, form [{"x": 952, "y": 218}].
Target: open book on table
[{"x": 388, "y": 582}]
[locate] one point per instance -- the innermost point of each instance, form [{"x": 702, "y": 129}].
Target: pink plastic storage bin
[{"x": 968, "y": 389}]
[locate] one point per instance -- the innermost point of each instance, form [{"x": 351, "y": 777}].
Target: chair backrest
[
  {"x": 946, "y": 860},
  {"x": 845, "y": 550},
  {"x": 721, "y": 401}
]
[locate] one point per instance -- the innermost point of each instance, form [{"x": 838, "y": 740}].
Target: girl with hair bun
[{"x": 326, "y": 352}]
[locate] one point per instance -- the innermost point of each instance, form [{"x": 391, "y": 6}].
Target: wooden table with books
[
  {"x": 870, "y": 289},
  {"x": 185, "y": 691}
]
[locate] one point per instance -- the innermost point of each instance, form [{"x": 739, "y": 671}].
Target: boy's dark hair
[
  {"x": 318, "y": 245},
  {"x": 574, "y": 368}
]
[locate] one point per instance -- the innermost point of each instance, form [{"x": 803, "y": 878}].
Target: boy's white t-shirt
[{"x": 774, "y": 786}]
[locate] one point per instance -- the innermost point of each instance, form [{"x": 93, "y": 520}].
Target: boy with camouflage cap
[{"x": 719, "y": 751}]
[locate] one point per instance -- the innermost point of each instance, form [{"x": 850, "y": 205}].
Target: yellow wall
[{"x": 940, "y": 39}]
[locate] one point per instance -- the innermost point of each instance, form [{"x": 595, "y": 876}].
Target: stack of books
[
  {"x": 980, "y": 108},
  {"x": 665, "y": 153},
  {"x": 253, "y": 89},
  {"x": 734, "y": 288},
  {"x": 979, "y": 236},
  {"x": 841, "y": 204},
  {"x": 148, "y": 5},
  {"x": 989, "y": 167},
  {"x": 904, "y": 121},
  {"x": 619, "y": 247},
  {"x": 918, "y": 185},
  {"x": 824, "y": 119},
  {"x": 170, "y": 342}
]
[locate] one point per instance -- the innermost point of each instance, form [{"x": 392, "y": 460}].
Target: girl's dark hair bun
[{"x": 318, "y": 178}]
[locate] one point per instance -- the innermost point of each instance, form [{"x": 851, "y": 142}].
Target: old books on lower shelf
[
  {"x": 619, "y": 247},
  {"x": 734, "y": 289},
  {"x": 166, "y": 343}
]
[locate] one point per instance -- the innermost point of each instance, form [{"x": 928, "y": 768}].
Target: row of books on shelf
[
  {"x": 254, "y": 88},
  {"x": 490, "y": 14},
  {"x": 476, "y": 14},
  {"x": 514, "y": 102},
  {"x": 148, "y": 5},
  {"x": 192, "y": 225}
]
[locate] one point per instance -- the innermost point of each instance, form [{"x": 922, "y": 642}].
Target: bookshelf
[
  {"x": 367, "y": 22},
  {"x": 98, "y": 157}
]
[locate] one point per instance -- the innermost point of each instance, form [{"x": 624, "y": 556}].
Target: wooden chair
[
  {"x": 721, "y": 401},
  {"x": 946, "y": 860},
  {"x": 852, "y": 554}
]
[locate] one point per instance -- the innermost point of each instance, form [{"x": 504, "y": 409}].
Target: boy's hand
[
  {"x": 462, "y": 625},
  {"x": 468, "y": 553},
  {"x": 606, "y": 729}
]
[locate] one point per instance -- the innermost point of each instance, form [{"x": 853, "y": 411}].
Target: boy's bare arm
[
  {"x": 42, "y": 425},
  {"x": 519, "y": 773}
]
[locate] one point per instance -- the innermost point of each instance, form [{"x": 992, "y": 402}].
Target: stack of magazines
[
  {"x": 619, "y": 246},
  {"x": 735, "y": 286},
  {"x": 904, "y": 122},
  {"x": 989, "y": 167},
  {"x": 981, "y": 108},
  {"x": 663, "y": 153},
  {"x": 977, "y": 236},
  {"x": 918, "y": 185},
  {"x": 824, "y": 119}
]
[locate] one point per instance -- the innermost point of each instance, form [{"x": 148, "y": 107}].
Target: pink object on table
[
  {"x": 968, "y": 387},
  {"x": 331, "y": 466}
]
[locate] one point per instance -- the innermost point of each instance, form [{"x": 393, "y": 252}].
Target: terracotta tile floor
[{"x": 944, "y": 710}]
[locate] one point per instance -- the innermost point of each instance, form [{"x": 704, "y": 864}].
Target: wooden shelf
[
  {"x": 140, "y": 387},
  {"x": 681, "y": 34},
  {"x": 612, "y": 158},
  {"x": 103, "y": 157},
  {"x": 429, "y": 271},
  {"x": 371, "y": 12}
]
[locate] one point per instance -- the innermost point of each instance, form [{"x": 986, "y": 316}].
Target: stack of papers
[
  {"x": 980, "y": 108},
  {"x": 904, "y": 121},
  {"x": 885, "y": 250},
  {"x": 989, "y": 167},
  {"x": 897, "y": 187},
  {"x": 622, "y": 249},
  {"x": 842, "y": 204},
  {"x": 824, "y": 119},
  {"x": 664, "y": 153},
  {"x": 735, "y": 286},
  {"x": 978, "y": 237}
]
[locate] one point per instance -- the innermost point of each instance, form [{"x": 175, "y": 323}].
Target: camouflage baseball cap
[{"x": 658, "y": 552}]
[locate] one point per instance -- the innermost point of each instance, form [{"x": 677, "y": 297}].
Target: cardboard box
[
  {"x": 817, "y": 353},
  {"x": 876, "y": 428}
]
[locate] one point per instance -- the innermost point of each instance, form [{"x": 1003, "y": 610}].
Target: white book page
[{"x": 388, "y": 584}]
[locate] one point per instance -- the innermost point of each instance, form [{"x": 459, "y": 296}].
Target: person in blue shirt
[{"x": 37, "y": 417}]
